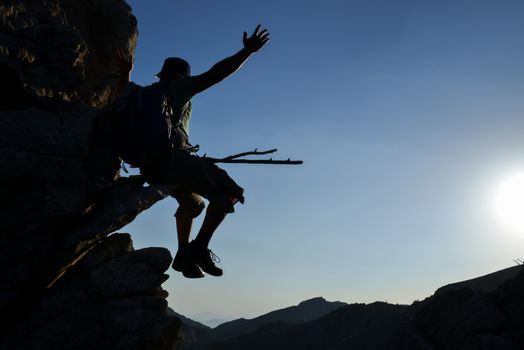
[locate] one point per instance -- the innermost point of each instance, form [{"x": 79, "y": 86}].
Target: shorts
[{"x": 195, "y": 175}]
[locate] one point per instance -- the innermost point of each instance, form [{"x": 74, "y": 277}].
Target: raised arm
[{"x": 229, "y": 65}]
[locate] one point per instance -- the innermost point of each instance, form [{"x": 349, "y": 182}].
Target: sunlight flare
[{"x": 509, "y": 202}]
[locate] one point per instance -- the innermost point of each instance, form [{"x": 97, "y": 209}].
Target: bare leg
[
  {"x": 182, "y": 262},
  {"x": 214, "y": 217},
  {"x": 183, "y": 227},
  {"x": 191, "y": 206},
  {"x": 199, "y": 247}
]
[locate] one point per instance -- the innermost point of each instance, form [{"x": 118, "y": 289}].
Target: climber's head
[{"x": 174, "y": 68}]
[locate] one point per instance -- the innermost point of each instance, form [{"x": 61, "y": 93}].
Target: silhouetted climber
[{"x": 195, "y": 177}]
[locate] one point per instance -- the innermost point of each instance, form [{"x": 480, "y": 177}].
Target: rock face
[
  {"x": 110, "y": 299},
  {"x": 69, "y": 282},
  {"x": 61, "y": 50}
]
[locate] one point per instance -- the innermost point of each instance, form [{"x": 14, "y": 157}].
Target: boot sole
[{"x": 187, "y": 274}]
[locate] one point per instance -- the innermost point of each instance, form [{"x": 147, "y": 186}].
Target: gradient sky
[{"x": 408, "y": 115}]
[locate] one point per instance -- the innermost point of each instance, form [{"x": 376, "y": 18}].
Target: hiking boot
[
  {"x": 185, "y": 264},
  {"x": 205, "y": 259}
]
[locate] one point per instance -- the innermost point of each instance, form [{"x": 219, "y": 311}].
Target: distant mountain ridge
[
  {"x": 486, "y": 312},
  {"x": 187, "y": 321},
  {"x": 198, "y": 337},
  {"x": 354, "y": 326},
  {"x": 191, "y": 331},
  {"x": 304, "y": 312}
]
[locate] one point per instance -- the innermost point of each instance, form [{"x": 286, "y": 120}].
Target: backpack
[{"x": 142, "y": 120}]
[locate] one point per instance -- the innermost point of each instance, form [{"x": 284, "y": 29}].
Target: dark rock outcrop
[
  {"x": 467, "y": 318},
  {"x": 486, "y": 283},
  {"x": 110, "y": 299},
  {"x": 54, "y": 51},
  {"x": 67, "y": 281}
]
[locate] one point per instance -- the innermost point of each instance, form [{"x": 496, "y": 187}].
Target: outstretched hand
[
  {"x": 123, "y": 61},
  {"x": 257, "y": 40}
]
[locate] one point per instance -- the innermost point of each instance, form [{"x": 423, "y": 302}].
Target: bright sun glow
[{"x": 509, "y": 202}]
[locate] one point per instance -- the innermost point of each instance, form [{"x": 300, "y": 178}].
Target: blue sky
[{"x": 408, "y": 115}]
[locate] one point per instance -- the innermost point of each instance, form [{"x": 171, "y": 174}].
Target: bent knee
[
  {"x": 224, "y": 203},
  {"x": 191, "y": 209}
]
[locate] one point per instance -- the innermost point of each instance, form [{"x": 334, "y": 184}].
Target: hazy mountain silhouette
[
  {"x": 305, "y": 311},
  {"x": 356, "y": 326},
  {"x": 215, "y": 322},
  {"x": 481, "y": 313},
  {"x": 187, "y": 321},
  {"x": 190, "y": 331}
]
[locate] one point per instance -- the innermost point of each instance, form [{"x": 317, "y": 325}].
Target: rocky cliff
[{"x": 68, "y": 281}]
